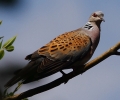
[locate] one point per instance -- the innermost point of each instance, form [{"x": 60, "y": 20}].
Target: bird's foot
[{"x": 65, "y": 77}]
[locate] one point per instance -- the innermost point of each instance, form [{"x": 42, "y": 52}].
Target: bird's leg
[
  {"x": 62, "y": 72},
  {"x": 64, "y": 76}
]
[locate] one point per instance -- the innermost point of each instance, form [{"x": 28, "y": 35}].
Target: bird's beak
[{"x": 102, "y": 19}]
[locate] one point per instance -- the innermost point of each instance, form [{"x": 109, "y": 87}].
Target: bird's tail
[{"x": 22, "y": 75}]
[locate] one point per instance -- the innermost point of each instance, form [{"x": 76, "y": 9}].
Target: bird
[{"x": 68, "y": 50}]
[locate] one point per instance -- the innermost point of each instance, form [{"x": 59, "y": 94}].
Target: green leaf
[
  {"x": 10, "y": 48},
  {"x": 9, "y": 42},
  {"x": 0, "y": 22},
  {"x": 1, "y": 44},
  {"x": 1, "y": 53}
]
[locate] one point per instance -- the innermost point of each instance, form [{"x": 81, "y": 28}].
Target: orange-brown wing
[{"x": 67, "y": 47}]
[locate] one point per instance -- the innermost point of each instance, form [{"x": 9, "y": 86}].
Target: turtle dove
[{"x": 68, "y": 50}]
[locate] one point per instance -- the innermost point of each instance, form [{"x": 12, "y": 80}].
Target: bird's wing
[{"x": 67, "y": 47}]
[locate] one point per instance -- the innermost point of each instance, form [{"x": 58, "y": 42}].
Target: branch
[{"x": 112, "y": 51}]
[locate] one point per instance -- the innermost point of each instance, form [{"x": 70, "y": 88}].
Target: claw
[{"x": 65, "y": 77}]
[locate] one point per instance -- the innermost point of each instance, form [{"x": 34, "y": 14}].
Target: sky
[{"x": 36, "y": 22}]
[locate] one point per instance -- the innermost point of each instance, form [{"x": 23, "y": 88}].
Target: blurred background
[{"x": 36, "y": 22}]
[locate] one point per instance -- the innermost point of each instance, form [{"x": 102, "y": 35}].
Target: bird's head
[{"x": 97, "y": 17}]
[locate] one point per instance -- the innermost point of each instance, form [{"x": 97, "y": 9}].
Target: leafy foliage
[
  {"x": 6, "y": 46},
  {"x": 9, "y": 42}
]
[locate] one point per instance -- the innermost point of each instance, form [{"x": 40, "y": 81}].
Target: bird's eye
[{"x": 95, "y": 15}]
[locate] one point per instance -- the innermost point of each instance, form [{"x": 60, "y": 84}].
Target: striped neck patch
[{"x": 88, "y": 26}]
